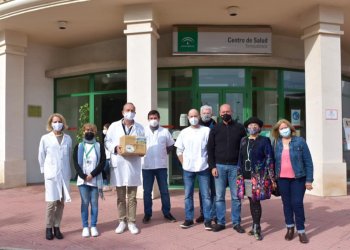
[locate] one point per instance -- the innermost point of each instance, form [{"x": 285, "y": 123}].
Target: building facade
[{"x": 270, "y": 65}]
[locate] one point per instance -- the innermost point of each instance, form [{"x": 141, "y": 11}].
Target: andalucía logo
[{"x": 187, "y": 39}]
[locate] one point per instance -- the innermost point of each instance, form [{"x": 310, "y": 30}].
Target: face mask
[
  {"x": 285, "y": 132},
  {"x": 226, "y": 117},
  {"x": 57, "y": 126},
  {"x": 89, "y": 136},
  {"x": 104, "y": 131},
  {"x": 193, "y": 121},
  {"x": 205, "y": 118},
  {"x": 129, "y": 116},
  {"x": 253, "y": 131},
  {"x": 153, "y": 123}
]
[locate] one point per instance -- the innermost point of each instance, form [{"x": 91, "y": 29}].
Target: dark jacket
[
  {"x": 262, "y": 166},
  {"x": 210, "y": 124},
  {"x": 223, "y": 143}
]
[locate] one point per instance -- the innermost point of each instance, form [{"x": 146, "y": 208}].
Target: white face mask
[
  {"x": 57, "y": 126},
  {"x": 129, "y": 116},
  {"x": 153, "y": 123},
  {"x": 285, "y": 132},
  {"x": 104, "y": 131},
  {"x": 193, "y": 121}
]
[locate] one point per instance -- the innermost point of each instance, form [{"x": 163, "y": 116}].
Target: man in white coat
[
  {"x": 125, "y": 170},
  {"x": 54, "y": 159},
  {"x": 155, "y": 165}
]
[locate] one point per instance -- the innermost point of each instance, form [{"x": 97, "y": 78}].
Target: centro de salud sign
[{"x": 192, "y": 40}]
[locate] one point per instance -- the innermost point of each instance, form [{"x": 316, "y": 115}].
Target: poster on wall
[
  {"x": 295, "y": 117},
  {"x": 346, "y": 125}
]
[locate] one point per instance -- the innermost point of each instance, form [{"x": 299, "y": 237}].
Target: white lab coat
[
  {"x": 54, "y": 160},
  {"x": 125, "y": 170},
  {"x": 157, "y": 142}
]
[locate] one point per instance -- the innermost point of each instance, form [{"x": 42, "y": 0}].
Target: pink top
[{"x": 286, "y": 165}]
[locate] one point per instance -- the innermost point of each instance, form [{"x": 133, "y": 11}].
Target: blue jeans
[
  {"x": 161, "y": 174},
  {"x": 89, "y": 195},
  {"x": 227, "y": 174},
  {"x": 292, "y": 194},
  {"x": 212, "y": 198},
  {"x": 203, "y": 180}
]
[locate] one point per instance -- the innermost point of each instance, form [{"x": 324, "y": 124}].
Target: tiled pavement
[{"x": 22, "y": 212}]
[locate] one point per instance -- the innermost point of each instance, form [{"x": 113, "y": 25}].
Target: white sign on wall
[{"x": 222, "y": 40}]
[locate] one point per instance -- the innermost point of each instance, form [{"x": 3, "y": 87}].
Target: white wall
[{"x": 39, "y": 92}]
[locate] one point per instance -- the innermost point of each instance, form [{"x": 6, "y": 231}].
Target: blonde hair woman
[
  {"x": 294, "y": 170},
  {"x": 54, "y": 159}
]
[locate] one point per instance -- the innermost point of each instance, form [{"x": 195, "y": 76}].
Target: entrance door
[{"x": 215, "y": 98}]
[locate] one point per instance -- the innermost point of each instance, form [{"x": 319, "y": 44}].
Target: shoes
[
  {"x": 218, "y": 227},
  {"x": 257, "y": 231},
  {"x": 121, "y": 227},
  {"x": 49, "y": 234},
  {"x": 146, "y": 219},
  {"x": 106, "y": 188},
  {"x": 239, "y": 228},
  {"x": 200, "y": 219},
  {"x": 207, "y": 226},
  {"x": 170, "y": 217},
  {"x": 85, "y": 232},
  {"x": 94, "y": 232},
  {"x": 290, "y": 233},
  {"x": 57, "y": 233},
  {"x": 187, "y": 224},
  {"x": 303, "y": 238},
  {"x": 215, "y": 220},
  {"x": 132, "y": 228}
]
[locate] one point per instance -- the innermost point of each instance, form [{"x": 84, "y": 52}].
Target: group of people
[{"x": 219, "y": 155}]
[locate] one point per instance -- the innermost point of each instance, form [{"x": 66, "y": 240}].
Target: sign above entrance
[{"x": 216, "y": 40}]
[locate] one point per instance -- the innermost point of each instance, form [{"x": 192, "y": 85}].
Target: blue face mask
[
  {"x": 253, "y": 131},
  {"x": 285, "y": 132}
]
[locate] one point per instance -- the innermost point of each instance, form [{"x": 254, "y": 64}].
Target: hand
[
  {"x": 89, "y": 177},
  {"x": 118, "y": 149},
  {"x": 308, "y": 186},
  {"x": 214, "y": 172},
  {"x": 274, "y": 185}
]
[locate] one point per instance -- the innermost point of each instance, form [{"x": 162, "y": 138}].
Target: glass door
[{"x": 215, "y": 98}]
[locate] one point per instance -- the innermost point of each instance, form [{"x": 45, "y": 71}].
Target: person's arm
[
  {"x": 308, "y": 164},
  {"x": 77, "y": 167},
  {"x": 110, "y": 142},
  {"x": 211, "y": 153},
  {"x": 41, "y": 154},
  {"x": 179, "y": 153}
]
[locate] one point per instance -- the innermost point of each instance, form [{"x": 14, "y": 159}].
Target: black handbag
[{"x": 276, "y": 190}]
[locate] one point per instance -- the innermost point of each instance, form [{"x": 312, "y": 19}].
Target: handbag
[{"x": 276, "y": 190}]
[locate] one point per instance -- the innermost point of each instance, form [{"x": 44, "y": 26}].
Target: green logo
[{"x": 187, "y": 39}]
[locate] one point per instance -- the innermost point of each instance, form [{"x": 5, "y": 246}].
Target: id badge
[{"x": 247, "y": 165}]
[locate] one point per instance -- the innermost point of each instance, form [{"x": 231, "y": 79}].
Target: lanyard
[
  {"x": 87, "y": 154},
  {"x": 125, "y": 130},
  {"x": 248, "y": 150}
]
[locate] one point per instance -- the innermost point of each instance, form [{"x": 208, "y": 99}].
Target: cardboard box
[{"x": 133, "y": 145}]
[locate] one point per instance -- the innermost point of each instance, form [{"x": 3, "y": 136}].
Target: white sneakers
[
  {"x": 122, "y": 226},
  {"x": 86, "y": 232},
  {"x": 94, "y": 232},
  {"x": 132, "y": 228}
]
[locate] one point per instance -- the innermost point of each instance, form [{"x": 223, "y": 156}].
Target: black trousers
[{"x": 255, "y": 210}]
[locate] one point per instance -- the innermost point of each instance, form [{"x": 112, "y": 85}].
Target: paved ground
[{"x": 22, "y": 213}]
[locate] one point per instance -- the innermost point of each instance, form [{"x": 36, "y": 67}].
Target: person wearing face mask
[
  {"x": 206, "y": 113},
  {"x": 125, "y": 170},
  {"x": 256, "y": 165},
  {"x": 106, "y": 169},
  {"x": 294, "y": 172},
  {"x": 191, "y": 150},
  {"x": 90, "y": 161},
  {"x": 223, "y": 151},
  {"x": 155, "y": 165},
  {"x": 54, "y": 160}
]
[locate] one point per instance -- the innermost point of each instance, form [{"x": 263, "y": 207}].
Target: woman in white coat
[{"x": 54, "y": 159}]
